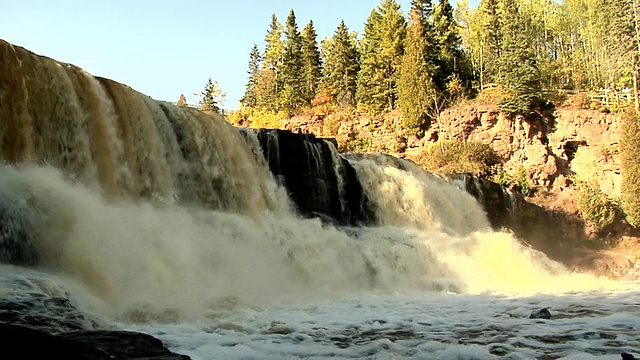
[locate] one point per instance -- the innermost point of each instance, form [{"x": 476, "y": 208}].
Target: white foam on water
[
  {"x": 221, "y": 285},
  {"x": 425, "y": 326}
]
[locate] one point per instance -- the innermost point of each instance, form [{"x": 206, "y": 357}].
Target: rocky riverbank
[{"x": 556, "y": 146}]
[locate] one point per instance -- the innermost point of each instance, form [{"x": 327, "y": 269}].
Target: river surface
[{"x": 598, "y": 324}]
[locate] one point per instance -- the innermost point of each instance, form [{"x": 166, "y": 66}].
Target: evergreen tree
[
  {"x": 518, "y": 73},
  {"x": 272, "y": 83},
  {"x": 417, "y": 92},
  {"x": 212, "y": 97},
  {"x": 292, "y": 75},
  {"x": 250, "y": 99},
  {"x": 448, "y": 44},
  {"x": 624, "y": 43},
  {"x": 383, "y": 46},
  {"x": 393, "y": 32},
  {"x": 265, "y": 89},
  {"x": 311, "y": 63},
  {"x": 425, "y": 9},
  {"x": 341, "y": 67},
  {"x": 370, "y": 84},
  {"x": 630, "y": 146},
  {"x": 486, "y": 29}
]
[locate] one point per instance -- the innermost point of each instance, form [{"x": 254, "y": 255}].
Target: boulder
[
  {"x": 540, "y": 314},
  {"x": 37, "y": 322},
  {"x": 31, "y": 343}
]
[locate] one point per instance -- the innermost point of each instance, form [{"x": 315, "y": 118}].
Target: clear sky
[{"x": 165, "y": 48}]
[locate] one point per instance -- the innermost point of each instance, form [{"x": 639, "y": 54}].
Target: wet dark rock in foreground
[
  {"x": 29, "y": 343},
  {"x": 39, "y": 321}
]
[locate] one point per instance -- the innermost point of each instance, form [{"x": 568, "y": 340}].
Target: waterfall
[
  {"x": 108, "y": 136},
  {"x": 154, "y": 208}
]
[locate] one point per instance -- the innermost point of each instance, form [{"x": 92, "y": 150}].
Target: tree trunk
[{"x": 481, "y": 65}]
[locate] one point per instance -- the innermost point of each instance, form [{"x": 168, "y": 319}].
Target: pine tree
[
  {"x": 271, "y": 83},
  {"x": 212, "y": 97},
  {"x": 311, "y": 63},
  {"x": 417, "y": 92},
  {"x": 448, "y": 45},
  {"x": 383, "y": 45},
  {"x": 488, "y": 33},
  {"x": 341, "y": 67},
  {"x": 518, "y": 73},
  {"x": 624, "y": 42},
  {"x": 392, "y": 47},
  {"x": 292, "y": 76},
  {"x": 250, "y": 99},
  {"x": 630, "y": 146},
  {"x": 265, "y": 89},
  {"x": 370, "y": 84},
  {"x": 425, "y": 9}
]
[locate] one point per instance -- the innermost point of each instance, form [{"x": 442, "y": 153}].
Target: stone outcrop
[
  {"x": 562, "y": 236},
  {"x": 36, "y": 322},
  {"x": 556, "y": 147},
  {"x": 31, "y": 343},
  {"x": 319, "y": 181},
  {"x": 552, "y": 145}
]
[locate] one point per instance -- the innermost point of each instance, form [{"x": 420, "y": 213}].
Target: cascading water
[{"x": 257, "y": 244}]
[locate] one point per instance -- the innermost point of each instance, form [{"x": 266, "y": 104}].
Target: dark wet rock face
[
  {"x": 32, "y": 343},
  {"x": 40, "y": 303},
  {"x": 320, "y": 182},
  {"x": 38, "y": 320}
]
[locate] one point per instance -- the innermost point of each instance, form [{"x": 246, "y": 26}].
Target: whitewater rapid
[{"x": 216, "y": 284}]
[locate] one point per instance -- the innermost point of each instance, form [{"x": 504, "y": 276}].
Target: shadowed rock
[
  {"x": 540, "y": 314},
  {"x": 320, "y": 182},
  {"x": 37, "y": 323},
  {"x": 96, "y": 344}
]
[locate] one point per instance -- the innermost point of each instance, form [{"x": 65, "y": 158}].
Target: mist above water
[{"x": 137, "y": 256}]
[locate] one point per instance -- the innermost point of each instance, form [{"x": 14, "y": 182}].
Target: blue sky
[{"x": 165, "y": 48}]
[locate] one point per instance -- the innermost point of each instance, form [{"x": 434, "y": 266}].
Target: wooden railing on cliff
[{"x": 609, "y": 97}]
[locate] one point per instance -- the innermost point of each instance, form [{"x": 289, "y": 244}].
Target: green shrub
[
  {"x": 595, "y": 206},
  {"x": 501, "y": 176},
  {"x": 459, "y": 157},
  {"x": 356, "y": 143},
  {"x": 521, "y": 182},
  {"x": 580, "y": 100},
  {"x": 331, "y": 125},
  {"x": 260, "y": 118}
]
